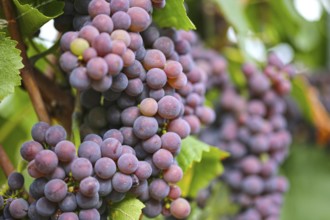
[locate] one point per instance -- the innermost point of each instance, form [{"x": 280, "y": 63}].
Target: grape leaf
[
  {"x": 201, "y": 173},
  {"x": 192, "y": 151},
  {"x": 32, "y": 14},
  {"x": 173, "y": 15},
  {"x": 128, "y": 209},
  {"x": 10, "y": 64}
]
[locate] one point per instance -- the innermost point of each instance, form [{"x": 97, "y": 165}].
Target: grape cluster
[
  {"x": 254, "y": 131},
  {"x": 13, "y": 203},
  {"x": 80, "y": 184},
  {"x": 76, "y": 13},
  {"x": 141, "y": 85}
]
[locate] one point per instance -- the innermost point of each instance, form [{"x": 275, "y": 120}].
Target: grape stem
[
  {"x": 5, "y": 162},
  {"x": 27, "y": 73}
]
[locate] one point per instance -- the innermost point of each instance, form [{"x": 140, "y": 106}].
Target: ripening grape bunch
[
  {"x": 83, "y": 183},
  {"x": 253, "y": 129}
]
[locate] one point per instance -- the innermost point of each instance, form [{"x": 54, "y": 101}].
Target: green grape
[{"x": 78, "y": 46}]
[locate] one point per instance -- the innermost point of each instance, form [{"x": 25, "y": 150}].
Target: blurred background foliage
[{"x": 246, "y": 30}]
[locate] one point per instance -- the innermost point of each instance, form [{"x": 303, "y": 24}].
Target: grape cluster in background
[
  {"x": 253, "y": 129},
  {"x": 142, "y": 90}
]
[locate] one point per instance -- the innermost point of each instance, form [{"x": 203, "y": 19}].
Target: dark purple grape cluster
[{"x": 253, "y": 129}]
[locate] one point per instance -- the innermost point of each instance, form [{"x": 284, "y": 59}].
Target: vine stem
[
  {"x": 27, "y": 73},
  {"x": 5, "y": 162}
]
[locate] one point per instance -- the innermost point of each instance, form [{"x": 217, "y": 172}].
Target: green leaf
[
  {"x": 10, "y": 64},
  {"x": 173, "y": 15},
  {"x": 234, "y": 13},
  {"x": 128, "y": 209},
  {"x": 32, "y": 14},
  {"x": 307, "y": 169},
  {"x": 191, "y": 150},
  {"x": 299, "y": 93},
  {"x": 201, "y": 173}
]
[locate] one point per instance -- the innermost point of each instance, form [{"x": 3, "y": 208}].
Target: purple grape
[
  {"x": 45, "y": 207},
  {"x": 127, "y": 163},
  {"x": 119, "y": 5},
  {"x": 134, "y": 87},
  {"x": 85, "y": 202},
  {"x": 103, "y": 23},
  {"x": 143, "y": 171},
  {"x": 252, "y": 185},
  {"x": 164, "y": 44},
  {"x": 114, "y": 133},
  {"x": 145, "y": 4},
  {"x": 173, "y": 174},
  {"x": 180, "y": 127},
  {"x": 103, "y": 84},
  {"x": 38, "y": 131},
  {"x": 154, "y": 59},
  {"x": 89, "y": 150},
  {"x": 68, "y": 62},
  {"x": 162, "y": 159},
  {"x": 129, "y": 136},
  {"x": 111, "y": 148},
  {"x": 171, "y": 142},
  {"x": 89, "y": 33},
  {"x": 121, "y": 20},
  {"x": 56, "y": 190},
  {"x": 152, "y": 208},
  {"x": 55, "y": 134},
  {"x": 140, "y": 19},
  {"x": 46, "y": 161},
  {"x": 89, "y": 186},
  {"x": 152, "y": 144},
  {"x": 97, "y": 7},
  {"x": 81, "y": 168},
  {"x": 18, "y": 208},
  {"x": 145, "y": 127},
  {"x": 68, "y": 216},
  {"x": 89, "y": 214},
  {"x": 169, "y": 107},
  {"x": 105, "y": 168},
  {"x": 180, "y": 208},
  {"x": 97, "y": 68},
  {"x": 156, "y": 78},
  {"x": 69, "y": 203},
  {"x": 136, "y": 41},
  {"x": 158, "y": 189},
  {"x": 30, "y": 149},
  {"x": 102, "y": 44},
  {"x": 79, "y": 79},
  {"x": 121, "y": 182},
  {"x": 65, "y": 151}
]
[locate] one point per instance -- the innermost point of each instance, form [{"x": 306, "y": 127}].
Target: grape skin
[
  {"x": 68, "y": 216},
  {"x": 55, "y": 134},
  {"x": 121, "y": 182},
  {"x": 127, "y": 163},
  {"x": 89, "y": 150},
  {"x": 45, "y": 207},
  {"x": 145, "y": 127},
  {"x": 105, "y": 168},
  {"x": 162, "y": 159},
  {"x": 89, "y": 186},
  {"x": 65, "y": 151},
  {"x": 180, "y": 208},
  {"x": 169, "y": 107},
  {"x": 38, "y": 131},
  {"x": 18, "y": 208},
  {"x": 46, "y": 161},
  {"x": 158, "y": 189},
  {"x": 69, "y": 203},
  {"x": 81, "y": 168},
  {"x": 55, "y": 190}
]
